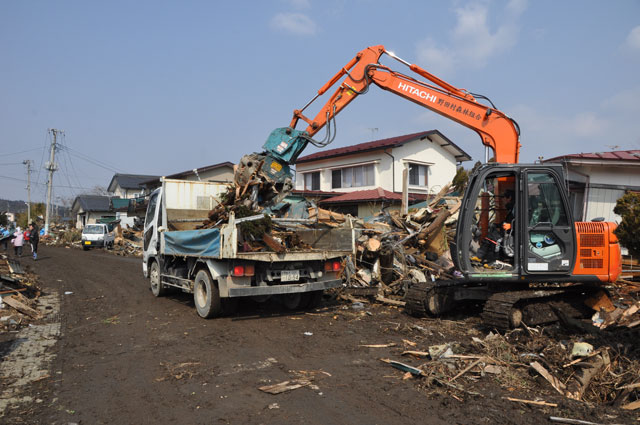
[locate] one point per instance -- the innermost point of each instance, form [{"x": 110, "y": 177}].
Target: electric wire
[
  {"x": 93, "y": 161},
  {"x": 17, "y": 153}
]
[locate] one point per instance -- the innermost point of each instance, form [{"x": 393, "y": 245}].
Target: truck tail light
[
  {"x": 332, "y": 266},
  {"x": 244, "y": 270}
]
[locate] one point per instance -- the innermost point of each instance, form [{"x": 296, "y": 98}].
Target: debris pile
[
  {"x": 18, "y": 295},
  {"x": 59, "y": 235},
  {"x": 392, "y": 249},
  {"x": 532, "y": 364},
  {"x": 127, "y": 242}
]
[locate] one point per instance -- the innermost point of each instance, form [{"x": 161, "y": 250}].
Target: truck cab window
[{"x": 151, "y": 210}]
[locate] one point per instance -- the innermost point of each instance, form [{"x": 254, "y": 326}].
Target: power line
[
  {"x": 99, "y": 163},
  {"x": 16, "y": 153},
  {"x": 45, "y": 184}
]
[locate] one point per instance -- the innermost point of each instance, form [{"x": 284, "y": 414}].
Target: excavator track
[
  {"x": 416, "y": 296},
  {"x": 505, "y": 310}
]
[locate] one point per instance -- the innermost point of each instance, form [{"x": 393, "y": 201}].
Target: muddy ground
[{"x": 123, "y": 356}]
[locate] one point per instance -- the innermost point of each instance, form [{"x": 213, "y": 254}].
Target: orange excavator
[{"x": 517, "y": 247}]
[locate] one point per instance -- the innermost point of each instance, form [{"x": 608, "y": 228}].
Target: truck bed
[{"x": 211, "y": 243}]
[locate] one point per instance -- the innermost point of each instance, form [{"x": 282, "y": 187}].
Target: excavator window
[
  {"x": 549, "y": 242},
  {"x": 494, "y": 224}
]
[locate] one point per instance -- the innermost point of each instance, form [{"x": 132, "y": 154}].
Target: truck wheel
[
  {"x": 85, "y": 248},
  {"x": 206, "y": 296},
  {"x": 312, "y": 299},
  {"x": 157, "y": 288},
  {"x": 292, "y": 301}
]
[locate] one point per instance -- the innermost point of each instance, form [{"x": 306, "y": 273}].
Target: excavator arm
[{"x": 495, "y": 128}]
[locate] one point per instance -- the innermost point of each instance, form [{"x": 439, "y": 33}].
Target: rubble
[{"x": 18, "y": 295}]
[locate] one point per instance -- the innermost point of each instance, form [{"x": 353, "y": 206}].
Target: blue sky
[{"x": 159, "y": 87}]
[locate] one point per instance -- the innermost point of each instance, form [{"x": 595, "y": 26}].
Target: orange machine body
[{"x": 597, "y": 251}]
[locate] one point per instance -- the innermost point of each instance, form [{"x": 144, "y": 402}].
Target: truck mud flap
[{"x": 283, "y": 289}]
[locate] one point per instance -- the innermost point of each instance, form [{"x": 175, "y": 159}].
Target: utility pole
[
  {"x": 51, "y": 167},
  {"x": 27, "y": 162}
]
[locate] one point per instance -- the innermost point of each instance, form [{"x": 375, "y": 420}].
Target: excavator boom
[{"x": 495, "y": 128}]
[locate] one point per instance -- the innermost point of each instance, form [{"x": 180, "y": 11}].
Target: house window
[
  {"x": 418, "y": 175},
  {"x": 312, "y": 181},
  {"x": 359, "y": 176}
]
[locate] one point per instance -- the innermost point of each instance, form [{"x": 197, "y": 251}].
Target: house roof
[
  {"x": 627, "y": 156},
  {"x": 432, "y": 135},
  {"x": 377, "y": 194},
  {"x": 201, "y": 170},
  {"x": 155, "y": 181},
  {"x": 92, "y": 203},
  {"x": 129, "y": 181}
]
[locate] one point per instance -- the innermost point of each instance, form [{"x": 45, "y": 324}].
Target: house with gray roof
[
  {"x": 90, "y": 209},
  {"x": 597, "y": 180},
  {"x": 129, "y": 185}
]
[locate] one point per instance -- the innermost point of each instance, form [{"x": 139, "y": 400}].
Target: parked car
[{"x": 97, "y": 235}]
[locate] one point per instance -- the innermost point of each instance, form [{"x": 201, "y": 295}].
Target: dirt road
[{"x": 126, "y": 357}]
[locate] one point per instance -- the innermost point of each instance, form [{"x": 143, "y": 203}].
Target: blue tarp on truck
[{"x": 199, "y": 243}]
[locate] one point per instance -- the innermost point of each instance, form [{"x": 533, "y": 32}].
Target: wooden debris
[
  {"x": 581, "y": 380},
  {"x": 415, "y": 353},
  {"x": 555, "y": 382},
  {"x": 632, "y": 406},
  {"x": 467, "y": 369},
  {"x": 22, "y": 308},
  {"x": 391, "y": 344},
  {"x": 385, "y": 300},
  {"x": 285, "y": 386},
  {"x": 534, "y": 402},
  {"x": 571, "y": 421}
]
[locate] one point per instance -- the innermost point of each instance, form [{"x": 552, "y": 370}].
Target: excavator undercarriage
[{"x": 505, "y": 306}]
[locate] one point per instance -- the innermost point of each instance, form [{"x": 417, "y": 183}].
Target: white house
[
  {"x": 375, "y": 169},
  {"x": 598, "y": 180}
]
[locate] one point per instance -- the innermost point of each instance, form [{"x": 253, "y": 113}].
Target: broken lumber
[
  {"x": 385, "y": 300},
  {"x": 632, "y": 406},
  {"x": 22, "y": 308},
  {"x": 555, "y": 382},
  {"x": 285, "y": 386},
  {"x": 273, "y": 243},
  {"x": 582, "y": 379},
  {"x": 534, "y": 402}
]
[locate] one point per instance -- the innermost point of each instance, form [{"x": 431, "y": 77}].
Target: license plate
[
  {"x": 289, "y": 275},
  {"x": 87, "y": 242}
]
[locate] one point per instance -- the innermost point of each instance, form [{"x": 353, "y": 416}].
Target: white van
[{"x": 97, "y": 235}]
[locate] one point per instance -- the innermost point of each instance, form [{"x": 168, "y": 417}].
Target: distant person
[
  {"x": 5, "y": 236},
  {"x": 25, "y": 235},
  {"x": 34, "y": 238},
  {"x": 18, "y": 241}
]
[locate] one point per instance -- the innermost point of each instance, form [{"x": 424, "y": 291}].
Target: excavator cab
[{"x": 515, "y": 222}]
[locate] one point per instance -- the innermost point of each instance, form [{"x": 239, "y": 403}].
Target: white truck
[
  {"x": 215, "y": 267},
  {"x": 97, "y": 235}
]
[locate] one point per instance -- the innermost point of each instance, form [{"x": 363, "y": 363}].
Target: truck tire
[
  {"x": 313, "y": 299},
  {"x": 206, "y": 296},
  {"x": 157, "y": 288},
  {"x": 292, "y": 301}
]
